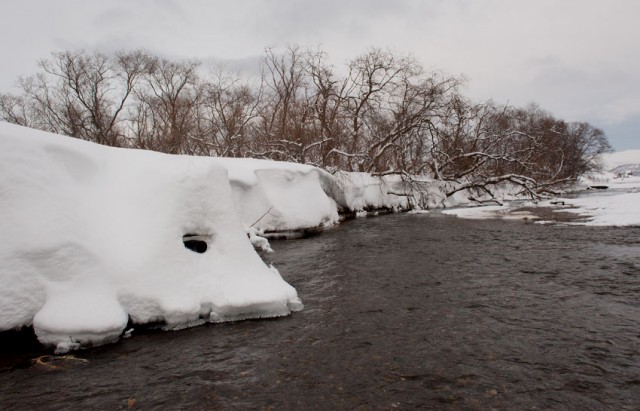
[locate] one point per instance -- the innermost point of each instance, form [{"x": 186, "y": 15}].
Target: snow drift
[{"x": 91, "y": 236}]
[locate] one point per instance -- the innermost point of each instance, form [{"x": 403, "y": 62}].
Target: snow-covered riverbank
[{"x": 93, "y": 238}]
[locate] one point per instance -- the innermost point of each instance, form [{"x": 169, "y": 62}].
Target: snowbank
[
  {"x": 362, "y": 191},
  {"x": 280, "y": 196},
  {"x": 276, "y": 196},
  {"x": 91, "y": 236}
]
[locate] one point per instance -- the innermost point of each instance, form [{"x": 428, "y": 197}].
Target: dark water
[{"x": 401, "y": 312}]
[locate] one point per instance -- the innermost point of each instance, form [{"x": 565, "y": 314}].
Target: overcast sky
[{"x": 579, "y": 59}]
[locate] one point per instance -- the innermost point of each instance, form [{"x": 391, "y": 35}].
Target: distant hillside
[
  {"x": 621, "y": 161},
  {"x": 633, "y": 169}
]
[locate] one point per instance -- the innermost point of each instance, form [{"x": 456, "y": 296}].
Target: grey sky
[{"x": 580, "y": 59}]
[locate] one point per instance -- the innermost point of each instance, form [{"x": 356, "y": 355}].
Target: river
[{"x": 401, "y": 312}]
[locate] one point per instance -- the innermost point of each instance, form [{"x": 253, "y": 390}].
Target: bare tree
[
  {"x": 283, "y": 115},
  {"x": 325, "y": 103},
  {"x": 82, "y": 95},
  {"x": 226, "y": 115},
  {"x": 478, "y": 147},
  {"x": 16, "y": 110},
  {"x": 163, "y": 118},
  {"x": 371, "y": 77}
]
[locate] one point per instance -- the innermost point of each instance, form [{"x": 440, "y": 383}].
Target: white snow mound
[
  {"x": 91, "y": 236},
  {"x": 280, "y": 196},
  {"x": 358, "y": 191}
]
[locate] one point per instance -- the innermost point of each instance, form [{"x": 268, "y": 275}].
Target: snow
[
  {"x": 91, "y": 236},
  {"x": 621, "y": 209},
  {"x": 417, "y": 211},
  {"x": 360, "y": 191},
  {"x": 595, "y": 178},
  {"x": 505, "y": 211},
  {"x": 280, "y": 196},
  {"x": 617, "y": 206}
]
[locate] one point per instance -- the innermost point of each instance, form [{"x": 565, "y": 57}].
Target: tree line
[{"x": 382, "y": 113}]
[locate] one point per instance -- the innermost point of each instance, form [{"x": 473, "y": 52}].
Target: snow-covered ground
[
  {"x": 619, "y": 205},
  {"x": 619, "y": 209}
]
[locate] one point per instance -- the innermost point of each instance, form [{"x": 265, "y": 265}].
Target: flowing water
[{"x": 401, "y": 312}]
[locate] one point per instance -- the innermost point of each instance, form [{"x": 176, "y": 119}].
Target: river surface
[{"x": 401, "y": 312}]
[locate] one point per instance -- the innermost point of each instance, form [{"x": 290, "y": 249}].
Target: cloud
[
  {"x": 576, "y": 90},
  {"x": 621, "y": 110},
  {"x": 578, "y": 58}
]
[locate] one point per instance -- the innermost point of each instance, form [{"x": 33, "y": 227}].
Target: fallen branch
[{"x": 261, "y": 217}]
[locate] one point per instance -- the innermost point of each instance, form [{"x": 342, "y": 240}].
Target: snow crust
[{"x": 91, "y": 236}]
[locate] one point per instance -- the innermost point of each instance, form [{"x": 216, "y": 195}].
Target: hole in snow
[{"x": 195, "y": 242}]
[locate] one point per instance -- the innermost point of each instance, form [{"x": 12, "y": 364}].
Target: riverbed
[{"x": 420, "y": 311}]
